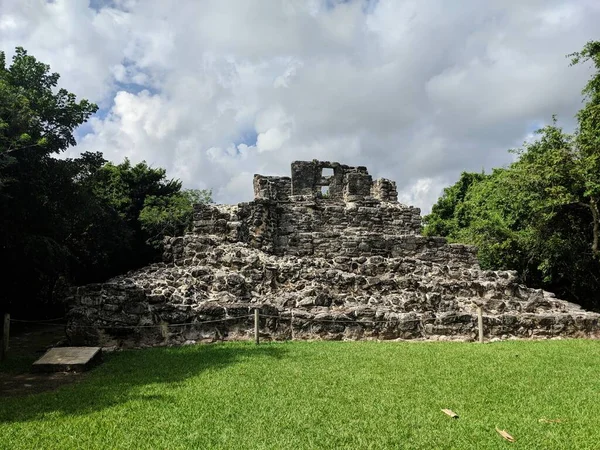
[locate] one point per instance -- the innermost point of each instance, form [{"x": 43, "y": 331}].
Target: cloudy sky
[{"x": 217, "y": 90}]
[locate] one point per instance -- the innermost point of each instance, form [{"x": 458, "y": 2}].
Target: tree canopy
[
  {"x": 539, "y": 215},
  {"x": 74, "y": 220}
]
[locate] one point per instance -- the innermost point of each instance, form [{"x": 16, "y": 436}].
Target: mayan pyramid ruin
[{"x": 321, "y": 257}]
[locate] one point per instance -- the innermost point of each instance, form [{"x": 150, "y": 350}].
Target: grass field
[{"x": 322, "y": 395}]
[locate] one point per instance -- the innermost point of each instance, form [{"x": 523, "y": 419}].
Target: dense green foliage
[
  {"x": 149, "y": 206},
  {"x": 73, "y": 220},
  {"x": 539, "y": 215},
  {"x": 588, "y": 138},
  {"x": 327, "y": 395},
  {"x": 170, "y": 215}
]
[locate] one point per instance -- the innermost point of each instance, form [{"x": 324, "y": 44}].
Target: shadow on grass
[
  {"x": 117, "y": 380},
  {"x": 28, "y": 342}
]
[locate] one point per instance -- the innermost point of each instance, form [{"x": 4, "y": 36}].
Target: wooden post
[
  {"x": 5, "y": 335},
  {"x": 164, "y": 330},
  {"x": 256, "y": 318},
  {"x": 480, "y": 323},
  {"x": 292, "y": 325}
]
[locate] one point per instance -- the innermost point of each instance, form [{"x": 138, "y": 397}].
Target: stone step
[{"x": 68, "y": 359}]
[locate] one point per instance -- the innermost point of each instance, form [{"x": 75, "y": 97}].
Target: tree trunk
[
  {"x": 2, "y": 355},
  {"x": 596, "y": 216}
]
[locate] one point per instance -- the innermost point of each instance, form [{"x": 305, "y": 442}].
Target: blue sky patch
[
  {"x": 247, "y": 137},
  {"x": 97, "y": 5},
  {"x": 134, "y": 88},
  {"x": 534, "y": 126},
  {"x": 368, "y": 6}
]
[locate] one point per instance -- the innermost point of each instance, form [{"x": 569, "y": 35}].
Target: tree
[
  {"x": 33, "y": 117},
  {"x": 446, "y": 217},
  {"x": 129, "y": 190},
  {"x": 36, "y": 121},
  {"x": 588, "y": 137},
  {"x": 529, "y": 217},
  {"x": 539, "y": 215},
  {"x": 74, "y": 220},
  {"x": 170, "y": 216}
]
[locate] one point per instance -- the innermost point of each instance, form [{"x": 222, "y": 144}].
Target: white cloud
[
  {"x": 416, "y": 91},
  {"x": 424, "y": 191},
  {"x": 79, "y": 43}
]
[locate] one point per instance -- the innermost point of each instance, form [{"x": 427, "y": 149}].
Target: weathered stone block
[{"x": 68, "y": 359}]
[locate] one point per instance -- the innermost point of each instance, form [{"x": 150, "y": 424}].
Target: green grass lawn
[{"x": 322, "y": 395}]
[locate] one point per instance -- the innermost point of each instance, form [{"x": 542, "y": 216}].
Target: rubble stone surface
[{"x": 351, "y": 264}]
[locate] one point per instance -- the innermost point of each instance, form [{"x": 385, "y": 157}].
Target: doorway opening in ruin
[
  {"x": 324, "y": 191},
  {"x": 327, "y": 172}
]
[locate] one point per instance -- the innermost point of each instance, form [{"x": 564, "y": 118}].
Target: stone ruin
[{"x": 322, "y": 257}]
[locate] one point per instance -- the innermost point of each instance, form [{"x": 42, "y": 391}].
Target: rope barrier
[
  {"x": 137, "y": 326},
  {"x": 342, "y": 320},
  {"x": 225, "y": 319},
  {"x": 38, "y": 321},
  {"x": 178, "y": 324},
  {"x": 164, "y": 324},
  {"x": 291, "y": 319}
]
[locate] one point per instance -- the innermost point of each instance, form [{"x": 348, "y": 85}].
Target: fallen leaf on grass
[
  {"x": 551, "y": 420},
  {"x": 450, "y": 413},
  {"x": 505, "y": 435}
]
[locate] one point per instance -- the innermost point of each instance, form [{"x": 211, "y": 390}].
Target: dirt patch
[
  {"x": 18, "y": 385},
  {"x": 28, "y": 342}
]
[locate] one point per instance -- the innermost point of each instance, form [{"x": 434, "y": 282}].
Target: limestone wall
[
  {"x": 348, "y": 265},
  {"x": 272, "y": 188},
  {"x": 318, "y": 228},
  {"x": 329, "y": 298}
]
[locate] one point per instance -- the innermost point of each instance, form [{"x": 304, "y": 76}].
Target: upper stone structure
[
  {"x": 308, "y": 179},
  {"x": 323, "y": 255},
  {"x": 292, "y": 216}
]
